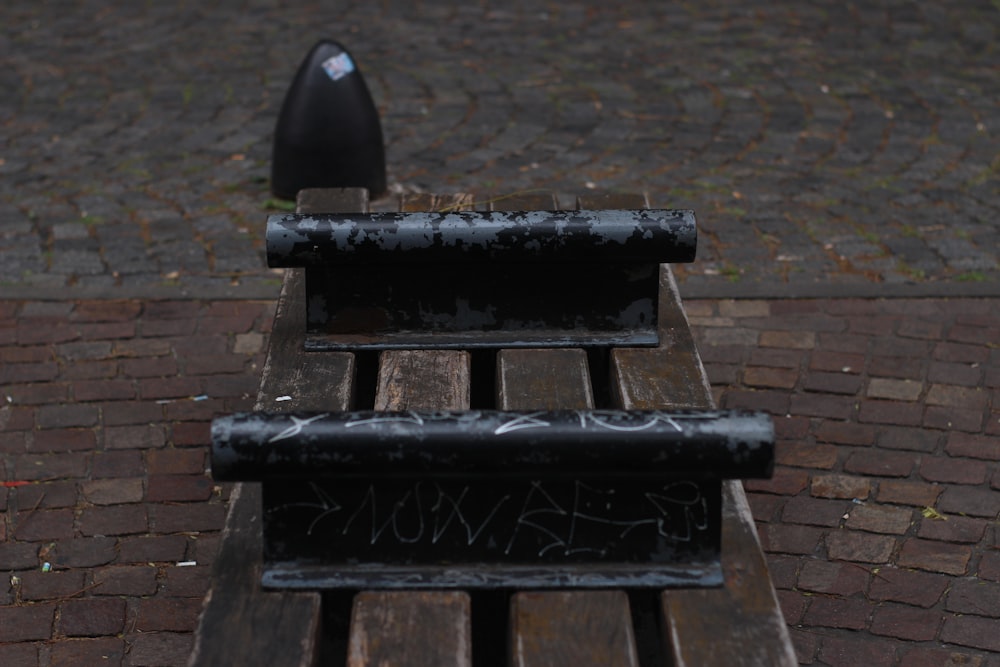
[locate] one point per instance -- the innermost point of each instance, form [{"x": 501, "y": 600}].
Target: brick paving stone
[
  {"x": 39, "y": 525},
  {"x": 974, "y": 596},
  {"x": 960, "y": 353},
  {"x": 935, "y": 657},
  {"x": 186, "y": 582},
  {"x": 95, "y": 651},
  {"x": 63, "y": 440},
  {"x": 773, "y": 358},
  {"x": 814, "y": 405},
  {"x": 113, "y": 491},
  {"x": 971, "y": 631},
  {"x": 830, "y": 612},
  {"x": 860, "y": 547},
  {"x": 804, "y": 540},
  {"x": 973, "y": 446},
  {"x": 953, "y": 529},
  {"x": 989, "y": 566},
  {"x": 114, "y": 520},
  {"x": 152, "y": 549},
  {"x": 840, "y": 579},
  {"x": 880, "y": 463},
  {"x": 906, "y": 623},
  {"x": 814, "y": 511},
  {"x": 91, "y": 617},
  {"x": 18, "y": 655},
  {"x": 84, "y": 552},
  {"x": 832, "y": 383},
  {"x": 28, "y": 622},
  {"x": 806, "y": 645},
  {"x": 185, "y": 518},
  {"x": 104, "y": 390},
  {"x": 795, "y": 340},
  {"x": 935, "y": 556},
  {"x": 877, "y": 411},
  {"x": 123, "y": 463},
  {"x": 172, "y": 461},
  {"x": 775, "y": 378},
  {"x": 969, "y": 375},
  {"x": 913, "y": 587},
  {"x": 908, "y": 493},
  {"x": 46, "y": 495},
  {"x": 159, "y": 649},
  {"x": 969, "y": 500},
  {"x": 187, "y": 434},
  {"x": 894, "y": 390},
  {"x": 179, "y": 488},
  {"x": 880, "y": 519},
  {"x": 37, "y": 585},
  {"x": 131, "y": 580},
  {"x": 915, "y": 439},
  {"x": 148, "y": 436},
  {"x": 953, "y": 471},
  {"x": 168, "y": 614},
  {"x": 793, "y": 605},
  {"x": 851, "y": 652},
  {"x": 840, "y": 486},
  {"x": 845, "y": 433},
  {"x": 837, "y": 362},
  {"x": 803, "y": 455}
]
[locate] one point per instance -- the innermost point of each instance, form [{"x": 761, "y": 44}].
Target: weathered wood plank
[
  {"x": 425, "y": 627},
  {"x": 417, "y": 380},
  {"x": 561, "y": 628},
  {"x": 670, "y": 376},
  {"x": 568, "y": 627},
  {"x": 573, "y": 629},
  {"x": 741, "y": 623},
  {"x": 431, "y": 202},
  {"x": 407, "y": 628},
  {"x": 240, "y": 624},
  {"x": 543, "y": 379}
]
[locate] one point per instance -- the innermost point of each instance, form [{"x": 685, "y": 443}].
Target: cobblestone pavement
[{"x": 828, "y": 148}]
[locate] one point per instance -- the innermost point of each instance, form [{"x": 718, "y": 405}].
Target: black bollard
[{"x": 328, "y": 133}]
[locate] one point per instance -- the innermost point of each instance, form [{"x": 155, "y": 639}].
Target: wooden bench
[{"x": 738, "y": 623}]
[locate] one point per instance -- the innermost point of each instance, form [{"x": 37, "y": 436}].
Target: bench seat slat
[
  {"x": 741, "y": 623},
  {"x": 410, "y": 627},
  {"x": 565, "y": 628}
]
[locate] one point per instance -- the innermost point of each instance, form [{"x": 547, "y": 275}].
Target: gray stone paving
[{"x": 828, "y": 148}]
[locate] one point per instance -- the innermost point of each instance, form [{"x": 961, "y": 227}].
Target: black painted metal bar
[
  {"x": 496, "y": 444},
  {"x": 659, "y": 236}
]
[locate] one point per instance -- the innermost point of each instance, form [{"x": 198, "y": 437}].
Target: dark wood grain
[
  {"x": 415, "y": 627},
  {"x": 410, "y": 628},
  {"x": 569, "y": 628},
  {"x": 543, "y": 380},
  {"x": 419, "y": 380}
]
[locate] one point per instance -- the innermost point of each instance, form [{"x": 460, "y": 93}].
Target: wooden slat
[
  {"x": 571, "y": 629},
  {"x": 241, "y": 624},
  {"x": 543, "y": 380},
  {"x": 741, "y": 623},
  {"x": 568, "y": 628},
  {"x": 409, "y": 628},
  {"x": 430, "y": 202},
  {"x": 443, "y": 380},
  {"x": 418, "y": 627}
]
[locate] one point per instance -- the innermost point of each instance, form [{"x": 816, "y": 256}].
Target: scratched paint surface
[{"x": 465, "y": 236}]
